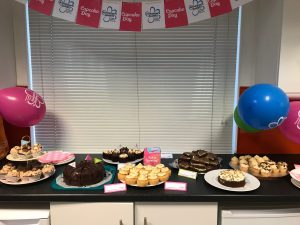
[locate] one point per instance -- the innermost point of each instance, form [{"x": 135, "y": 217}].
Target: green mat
[{"x": 110, "y": 169}]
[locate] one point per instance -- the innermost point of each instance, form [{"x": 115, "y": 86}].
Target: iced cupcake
[
  {"x": 244, "y": 167},
  {"x": 153, "y": 179},
  {"x": 37, "y": 150},
  {"x": 13, "y": 176},
  {"x": 34, "y": 175},
  {"x": 15, "y": 152},
  {"x": 48, "y": 170},
  {"x": 283, "y": 167},
  {"x": 130, "y": 179},
  {"x": 234, "y": 161},
  {"x": 162, "y": 177},
  {"x": 142, "y": 181},
  {"x": 166, "y": 170},
  {"x": 122, "y": 174}
]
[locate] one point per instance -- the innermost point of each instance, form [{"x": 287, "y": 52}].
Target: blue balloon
[{"x": 263, "y": 106}]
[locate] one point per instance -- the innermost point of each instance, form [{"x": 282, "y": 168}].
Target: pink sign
[
  {"x": 131, "y": 16},
  {"x": 42, "y": 6},
  {"x": 89, "y": 13},
  {"x": 219, "y": 7},
  {"x": 111, "y": 188},
  {"x": 175, "y": 186},
  {"x": 152, "y": 156},
  {"x": 175, "y": 13}
]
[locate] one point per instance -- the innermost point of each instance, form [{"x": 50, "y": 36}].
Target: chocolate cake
[
  {"x": 85, "y": 173},
  {"x": 232, "y": 178},
  {"x": 199, "y": 161}
]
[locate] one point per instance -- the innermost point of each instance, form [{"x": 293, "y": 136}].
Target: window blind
[{"x": 171, "y": 88}]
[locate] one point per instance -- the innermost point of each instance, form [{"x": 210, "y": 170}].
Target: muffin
[
  {"x": 130, "y": 179},
  {"x": 3, "y": 173},
  {"x": 266, "y": 172},
  {"x": 234, "y": 161},
  {"x": 122, "y": 174},
  {"x": 36, "y": 150},
  {"x": 255, "y": 170},
  {"x": 241, "y": 157},
  {"x": 244, "y": 167},
  {"x": 24, "y": 175},
  {"x": 162, "y": 177},
  {"x": 282, "y": 168},
  {"x": 13, "y": 176},
  {"x": 153, "y": 179},
  {"x": 123, "y": 158},
  {"x": 243, "y": 161},
  {"x": 275, "y": 170},
  {"x": 266, "y": 158},
  {"x": 142, "y": 181},
  {"x": 48, "y": 170},
  {"x": 15, "y": 152},
  {"x": 34, "y": 175},
  {"x": 25, "y": 153},
  {"x": 247, "y": 157}
]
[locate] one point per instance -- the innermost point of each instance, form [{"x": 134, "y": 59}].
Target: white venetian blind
[{"x": 170, "y": 88}]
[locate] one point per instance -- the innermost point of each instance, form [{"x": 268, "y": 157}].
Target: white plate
[
  {"x": 295, "y": 182},
  {"x": 11, "y": 158},
  {"x": 60, "y": 182},
  {"x": 149, "y": 185},
  {"x": 26, "y": 182},
  {"x": 133, "y": 162},
  {"x": 252, "y": 182},
  {"x": 295, "y": 171}
]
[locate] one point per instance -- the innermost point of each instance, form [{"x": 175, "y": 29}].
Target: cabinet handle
[
  {"x": 145, "y": 221},
  {"x": 121, "y": 222}
]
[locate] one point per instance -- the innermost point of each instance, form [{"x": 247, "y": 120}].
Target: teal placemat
[{"x": 110, "y": 169}]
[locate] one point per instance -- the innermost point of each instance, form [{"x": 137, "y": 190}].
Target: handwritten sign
[
  {"x": 111, "y": 188},
  {"x": 176, "y": 186}
]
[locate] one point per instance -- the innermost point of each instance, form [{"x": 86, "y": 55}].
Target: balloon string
[{"x": 137, "y": 90}]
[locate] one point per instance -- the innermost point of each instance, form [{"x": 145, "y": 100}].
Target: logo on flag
[
  {"x": 153, "y": 15},
  {"x": 109, "y": 14},
  {"x": 197, "y": 7},
  {"x": 66, "y": 6}
]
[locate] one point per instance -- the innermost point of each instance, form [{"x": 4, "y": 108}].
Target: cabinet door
[
  {"x": 91, "y": 213},
  {"x": 176, "y": 213}
]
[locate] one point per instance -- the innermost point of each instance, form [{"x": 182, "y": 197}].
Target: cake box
[{"x": 152, "y": 156}]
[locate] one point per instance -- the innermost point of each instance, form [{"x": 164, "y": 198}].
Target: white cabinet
[
  {"x": 176, "y": 213},
  {"x": 91, "y": 213}
]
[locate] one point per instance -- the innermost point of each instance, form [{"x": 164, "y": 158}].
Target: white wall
[
  {"x": 260, "y": 42},
  {"x": 289, "y": 71},
  {"x": 7, "y": 49}
]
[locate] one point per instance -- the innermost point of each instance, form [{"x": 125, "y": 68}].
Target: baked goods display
[
  {"x": 143, "y": 176},
  {"x": 25, "y": 152},
  {"x": 122, "y": 155},
  {"x": 232, "y": 178},
  {"x": 258, "y": 166},
  {"x": 83, "y": 174},
  {"x": 24, "y": 174},
  {"x": 199, "y": 161}
]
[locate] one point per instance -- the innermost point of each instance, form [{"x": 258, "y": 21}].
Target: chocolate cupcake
[
  {"x": 115, "y": 155},
  {"x": 107, "y": 154},
  {"x": 131, "y": 155},
  {"x": 139, "y": 154},
  {"x": 123, "y": 158},
  {"x": 124, "y": 150}
]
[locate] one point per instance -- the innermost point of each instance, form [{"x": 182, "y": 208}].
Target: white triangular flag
[
  {"x": 237, "y": 3},
  {"x": 66, "y": 9},
  {"x": 110, "y": 15},
  {"x": 197, "y": 10},
  {"x": 153, "y": 15}
]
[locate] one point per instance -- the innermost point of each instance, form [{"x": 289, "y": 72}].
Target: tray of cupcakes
[
  {"x": 260, "y": 166},
  {"x": 144, "y": 176},
  {"x": 123, "y": 155},
  {"x": 199, "y": 161},
  {"x": 28, "y": 173}
]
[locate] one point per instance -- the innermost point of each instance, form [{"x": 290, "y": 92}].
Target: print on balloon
[
  {"x": 33, "y": 99},
  {"x": 197, "y": 7},
  {"x": 153, "y": 15},
  {"x": 297, "y": 123},
  {"x": 66, "y": 6},
  {"x": 278, "y": 123},
  {"x": 110, "y": 14}
]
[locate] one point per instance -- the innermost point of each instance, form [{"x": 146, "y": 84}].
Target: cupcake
[
  {"x": 266, "y": 172},
  {"x": 122, "y": 174},
  {"x": 24, "y": 175},
  {"x": 36, "y": 150},
  {"x": 15, "y": 152},
  {"x": 275, "y": 170},
  {"x": 266, "y": 158},
  {"x": 162, "y": 177},
  {"x": 159, "y": 166},
  {"x": 260, "y": 160},
  {"x": 247, "y": 157},
  {"x": 253, "y": 163},
  {"x": 244, "y": 167},
  {"x": 134, "y": 170},
  {"x": 142, "y": 181},
  {"x": 149, "y": 168},
  {"x": 13, "y": 176},
  {"x": 255, "y": 170},
  {"x": 166, "y": 170},
  {"x": 234, "y": 161},
  {"x": 48, "y": 170},
  {"x": 143, "y": 172},
  {"x": 153, "y": 179},
  {"x": 124, "y": 150},
  {"x": 34, "y": 175},
  {"x": 282, "y": 168},
  {"x": 107, "y": 154},
  {"x": 115, "y": 155},
  {"x": 25, "y": 153},
  {"x": 129, "y": 165},
  {"x": 3, "y": 173},
  {"x": 139, "y": 166},
  {"x": 139, "y": 154},
  {"x": 156, "y": 170},
  {"x": 123, "y": 158},
  {"x": 131, "y": 155},
  {"x": 241, "y": 157},
  {"x": 243, "y": 161},
  {"x": 130, "y": 179}
]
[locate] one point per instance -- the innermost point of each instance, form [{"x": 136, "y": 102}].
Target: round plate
[
  {"x": 258, "y": 176},
  {"x": 175, "y": 165},
  {"x": 295, "y": 171},
  {"x": 295, "y": 182},
  {"x": 11, "y": 158},
  {"x": 116, "y": 163},
  {"x": 26, "y": 182},
  {"x": 252, "y": 182},
  {"x": 60, "y": 182},
  {"x": 66, "y": 161},
  {"x": 135, "y": 185}
]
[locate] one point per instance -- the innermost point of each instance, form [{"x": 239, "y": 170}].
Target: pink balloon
[
  {"x": 21, "y": 106},
  {"x": 291, "y": 126}
]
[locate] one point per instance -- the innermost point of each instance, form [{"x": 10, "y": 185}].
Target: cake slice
[{"x": 232, "y": 178}]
